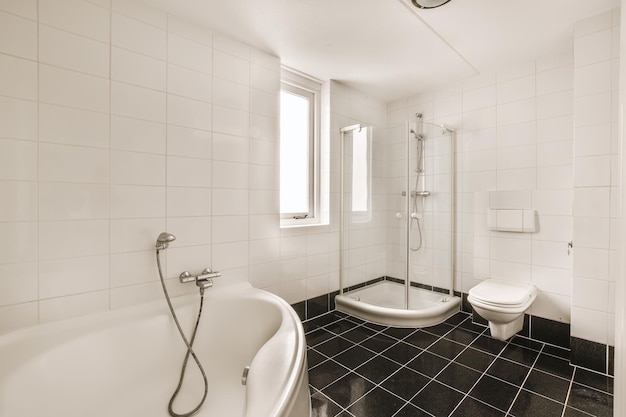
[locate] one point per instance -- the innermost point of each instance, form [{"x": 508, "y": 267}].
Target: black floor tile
[
  {"x": 377, "y": 369},
  {"x": 314, "y": 358},
  {"x": 355, "y": 356},
  {"x": 379, "y": 342},
  {"x": 520, "y": 354},
  {"x": 527, "y": 343},
  {"x": 378, "y": 402},
  {"x": 402, "y": 352},
  {"x": 439, "y": 330},
  {"x": 409, "y": 410},
  {"x": 358, "y": 334},
  {"x": 554, "y": 365},
  {"x": 591, "y": 401},
  {"x": 471, "y": 326},
  {"x": 487, "y": 387},
  {"x": 326, "y": 373},
  {"x": 458, "y": 377},
  {"x": 398, "y": 332},
  {"x": 557, "y": 351},
  {"x": 405, "y": 383},
  {"x": 512, "y": 372},
  {"x": 446, "y": 348},
  {"x": 470, "y": 407},
  {"x": 547, "y": 385},
  {"x": 462, "y": 336},
  {"x": 333, "y": 346},
  {"x": 319, "y": 321},
  {"x": 421, "y": 339},
  {"x": 457, "y": 319},
  {"x": 488, "y": 344},
  {"x": 528, "y": 404},
  {"x": 318, "y": 336},
  {"x": 348, "y": 389},
  {"x": 340, "y": 326},
  {"x": 428, "y": 364},
  {"x": 475, "y": 359},
  {"x": 594, "y": 380},
  {"x": 346, "y": 385},
  {"x": 437, "y": 399},
  {"x": 322, "y": 406}
]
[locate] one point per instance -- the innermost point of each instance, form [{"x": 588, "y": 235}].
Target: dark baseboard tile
[{"x": 591, "y": 355}]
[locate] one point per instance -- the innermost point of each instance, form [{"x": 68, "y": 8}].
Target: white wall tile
[
  {"x": 141, "y": 11},
  {"x": 138, "y": 69},
  {"x": 137, "y": 168},
  {"x": 74, "y": 52},
  {"x": 230, "y": 67},
  {"x": 131, "y": 235},
  {"x": 517, "y": 111},
  {"x": 590, "y": 294},
  {"x": 65, "y": 125},
  {"x": 76, "y": 16},
  {"x": 592, "y": 202},
  {"x": 19, "y": 202},
  {"x": 134, "y": 201},
  {"x": 67, "y": 201},
  {"x": 19, "y": 77},
  {"x": 18, "y": 160},
  {"x": 592, "y": 110},
  {"x": 190, "y": 30},
  {"x": 137, "y": 102},
  {"x": 88, "y": 92},
  {"x": 61, "y": 277},
  {"x": 73, "y": 306},
  {"x": 133, "y": 268},
  {"x": 592, "y": 48},
  {"x": 592, "y": 232},
  {"x": 78, "y": 238},
  {"x": 592, "y": 171},
  {"x": 188, "y": 201},
  {"x": 18, "y": 119},
  {"x": 25, "y": 8},
  {"x": 551, "y": 254},
  {"x": 188, "y": 172},
  {"x": 555, "y": 80},
  {"x": 231, "y": 202},
  {"x": 18, "y": 36},
  {"x": 137, "y": 36},
  {"x": 189, "y": 83},
  {"x": 185, "y": 112},
  {"x": 190, "y": 54},
  {"x": 592, "y": 79},
  {"x": 230, "y": 255},
  {"x": 73, "y": 164},
  {"x": 230, "y": 121},
  {"x": 18, "y": 283},
  {"x": 191, "y": 230},
  {"x": 555, "y": 105},
  {"x": 137, "y": 135},
  {"x": 555, "y": 153}
]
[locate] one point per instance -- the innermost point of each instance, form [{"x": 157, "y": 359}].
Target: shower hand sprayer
[{"x": 203, "y": 280}]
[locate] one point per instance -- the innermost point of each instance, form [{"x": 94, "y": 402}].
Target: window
[{"x": 299, "y": 149}]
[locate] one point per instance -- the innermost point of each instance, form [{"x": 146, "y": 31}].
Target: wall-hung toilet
[{"x": 503, "y": 304}]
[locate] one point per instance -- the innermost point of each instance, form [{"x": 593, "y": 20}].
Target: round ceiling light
[{"x": 429, "y": 4}]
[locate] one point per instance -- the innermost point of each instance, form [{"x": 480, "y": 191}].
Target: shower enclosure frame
[{"x": 444, "y": 306}]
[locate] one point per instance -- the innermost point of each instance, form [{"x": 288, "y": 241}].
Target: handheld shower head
[{"x": 164, "y": 239}]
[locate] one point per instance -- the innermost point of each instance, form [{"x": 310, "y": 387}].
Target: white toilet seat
[{"x": 503, "y": 295}]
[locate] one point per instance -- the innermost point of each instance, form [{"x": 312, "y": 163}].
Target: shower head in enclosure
[
  {"x": 417, "y": 136},
  {"x": 428, "y": 4},
  {"x": 164, "y": 239}
]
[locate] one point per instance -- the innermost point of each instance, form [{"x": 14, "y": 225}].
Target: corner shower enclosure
[{"x": 398, "y": 223}]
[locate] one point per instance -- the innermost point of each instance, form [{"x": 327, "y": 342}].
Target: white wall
[
  {"x": 117, "y": 124},
  {"x": 596, "y": 177}
]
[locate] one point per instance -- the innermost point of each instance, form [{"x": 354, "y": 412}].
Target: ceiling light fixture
[{"x": 428, "y": 4}]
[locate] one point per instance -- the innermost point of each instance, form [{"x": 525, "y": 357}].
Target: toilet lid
[{"x": 504, "y": 294}]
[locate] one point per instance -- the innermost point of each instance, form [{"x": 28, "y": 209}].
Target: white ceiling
[{"x": 390, "y": 49}]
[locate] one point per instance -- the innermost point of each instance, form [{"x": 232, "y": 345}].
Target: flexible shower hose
[{"x": 189, "y": 345}]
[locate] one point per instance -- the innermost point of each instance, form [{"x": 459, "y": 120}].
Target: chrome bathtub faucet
[{"x": 204, "y": 280}]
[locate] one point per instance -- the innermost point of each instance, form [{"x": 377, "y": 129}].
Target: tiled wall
[
  {"x": 118, "y": 122},
  {"x": 596, "y": 177}
]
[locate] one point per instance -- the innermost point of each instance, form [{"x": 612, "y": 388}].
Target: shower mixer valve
[{"x": 204, "y": 280}]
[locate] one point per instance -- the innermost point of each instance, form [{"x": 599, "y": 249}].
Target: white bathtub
[{"x": 127, "y": 362}]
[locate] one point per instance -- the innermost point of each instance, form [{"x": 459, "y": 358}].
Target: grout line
[{"x": 525, "y": 379}]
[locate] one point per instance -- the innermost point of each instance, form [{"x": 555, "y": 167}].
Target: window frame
[{"x": 297, "y": 83}]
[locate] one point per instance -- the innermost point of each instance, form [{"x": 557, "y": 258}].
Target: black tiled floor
[{"x": 453, "y": 369}]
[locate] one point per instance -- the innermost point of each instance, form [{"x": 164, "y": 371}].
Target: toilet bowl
[{"x": 502, "y": 304}]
